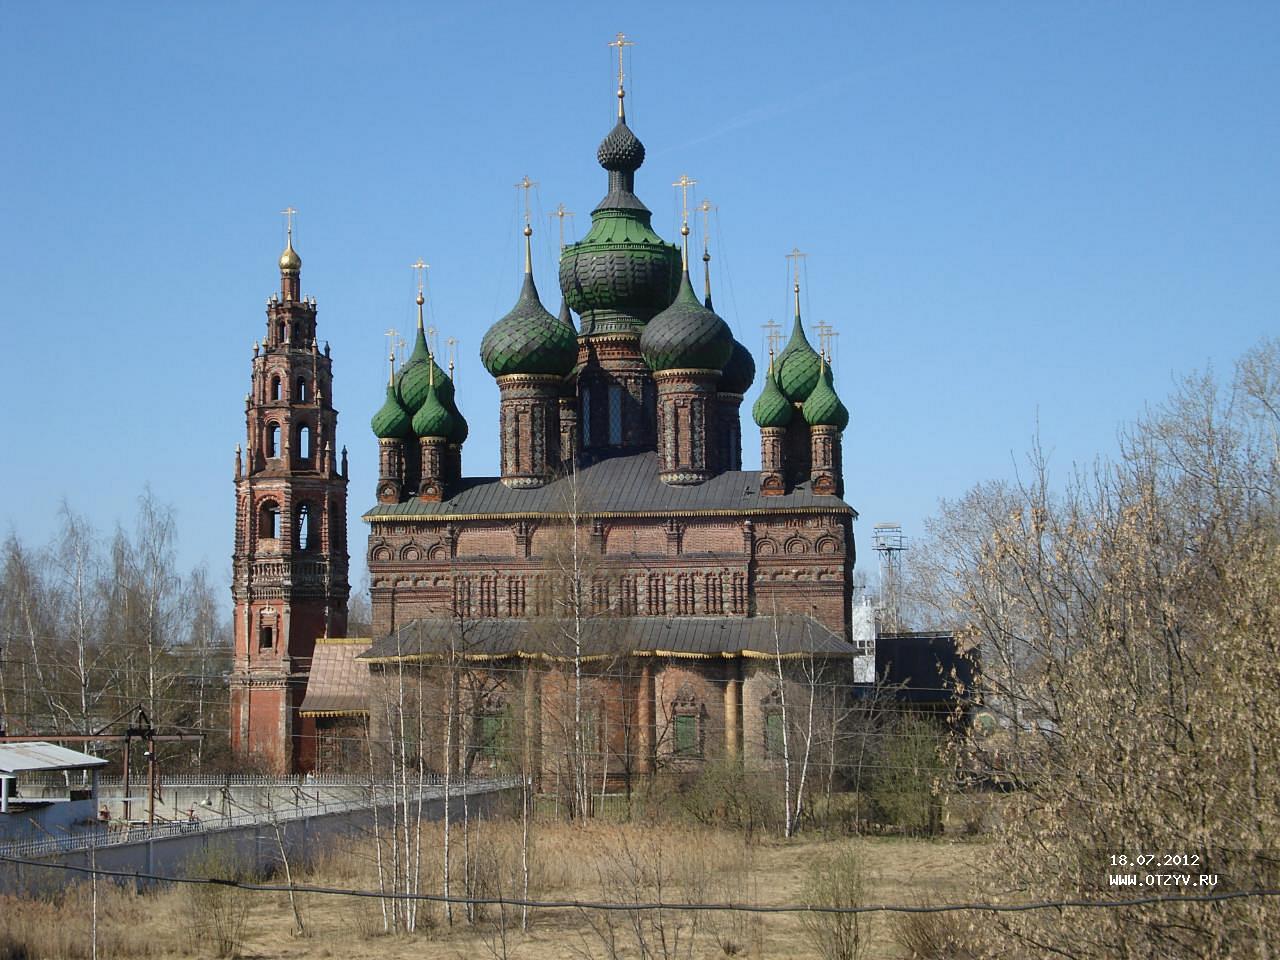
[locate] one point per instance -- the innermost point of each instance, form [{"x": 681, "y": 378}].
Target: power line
[{"x": 645, "y": 907}]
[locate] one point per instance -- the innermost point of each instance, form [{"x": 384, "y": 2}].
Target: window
[
  {"x": 302, "y": 393},
  {"x": 268, "y": 520},
  {"x": 713, "y": 594},
  {"x": 515, "y": 597},
  {"x": 586, "y": 416},
  {"x": 684, "y": 594},
  {"x": 280, "y": 332},
  {"x": 599, "y": 595},
  {"x": 266, "y": 638},
  {"x": 627, "y": 599},
  {"x": 304, "y": 442},
  {"x": 491, "y": 735},
  {"x": 275, "y": 388},
  {"x": 686, "y": 741},
  {"x": 302, "y": 528},
  {"x": 657, "y": 595},
  {"x": 488, "y": 596},
  {"x": 615, "y": 414},
  {"x": 773, "y": 738},
  {"x": 273, "y": 439}
]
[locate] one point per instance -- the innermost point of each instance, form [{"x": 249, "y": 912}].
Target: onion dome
[
  {"x": 823, "y": 407},
  {"x": 434, "y": 419},
  {"x": 771, "y": 408},
  {"x": 740, "y": 372},
  {"x": 686, "y": 335},
  {"x": 798, "y": 365},
  {"x": 529, "y": 339},
  {"x": 392, "y": 421},
  {"x": 622, "y": 273},
  {"x": 621, "y": 151},
  {"x": 290, "y": 262}
]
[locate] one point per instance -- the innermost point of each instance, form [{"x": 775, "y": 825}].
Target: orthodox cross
[
  {"x": 706, "y": 206},
  {"x": 826, "y": 338},
  {"x": 796, "y": 256},
  {"x": 560, "y": 212},
  {"x": 420, "y": 271},
  {"x": 773, "y": 335},
  {"x": 526, "y": 185},
  {"x": 621, "y": 42},
  {"x": 684, "y": 183},
  {"x": 452, "y": 344},
  {"x": 391, "y": 335},
  {"x": 288, "y": 213}
]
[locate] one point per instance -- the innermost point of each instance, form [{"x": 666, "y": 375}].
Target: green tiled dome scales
[
  {"x": 529, "y": 339},
  {"x": 392, "y": 421}
]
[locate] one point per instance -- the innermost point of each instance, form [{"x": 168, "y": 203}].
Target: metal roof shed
[{"x": 16, "y": 758}]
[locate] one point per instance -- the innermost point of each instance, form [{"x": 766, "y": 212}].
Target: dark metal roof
[
  {"x": 791, "y": 635},
  {"x": 617, "y": 485},
  {"x": 929, "y": 666}
]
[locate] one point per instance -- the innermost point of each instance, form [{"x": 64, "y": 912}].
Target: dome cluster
[
  {"x": 799, "y": 382},
  {"x": 420, "y": 401}
]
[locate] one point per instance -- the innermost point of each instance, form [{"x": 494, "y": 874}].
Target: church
[{"x": 624, "y": 598}]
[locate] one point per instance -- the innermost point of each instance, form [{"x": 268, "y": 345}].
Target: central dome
[{"x": 622, "y": 273}]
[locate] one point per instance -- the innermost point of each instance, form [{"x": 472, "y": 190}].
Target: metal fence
[{"x": 384, "y": 795}]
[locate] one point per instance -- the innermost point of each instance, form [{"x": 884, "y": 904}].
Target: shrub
[{"x": 837, "y": 882}]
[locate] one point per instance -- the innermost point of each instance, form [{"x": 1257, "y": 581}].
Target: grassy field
[{"x": 592, "y": 862}]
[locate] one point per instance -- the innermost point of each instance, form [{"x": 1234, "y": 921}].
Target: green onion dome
[
  {"x": 798, "y": 365},
  {"x": 740, "y": 372},
  {"x": 417, "y": 373},
  {"x": 771, "y": 408},
  {"x": 621, "y": 273},
  {"x": 434, "y": 419},
  {"x": 529, "y": 339},
  {"x": 392, "y": 421},
  {"x": 823, "y": 406},
  {"x": 686, "y": 335}
]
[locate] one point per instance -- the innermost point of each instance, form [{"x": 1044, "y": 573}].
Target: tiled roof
[
  {"x": 618, "y": 485},
  {"x": 339, "y": 683},
  {"x": 791, "y": 635}
]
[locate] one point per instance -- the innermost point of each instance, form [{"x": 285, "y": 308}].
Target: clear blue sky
[{"x": 1012, "y": 212}]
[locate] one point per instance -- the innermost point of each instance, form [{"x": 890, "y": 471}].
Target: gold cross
[
  {"x": 773, "y": 336},
  {"x": 796, "y": 256},
  {"x": 684, "y": 183},
  {"x": 621, "y": 42},
  {"x": 706, "y": 207},
  {"x": 420, "y": 270},
  {"x": 826, "y": 333},
  {"x": 288, "y": 217},
  {"x": 391, "y": 335},
  {"x": 526, "y": 185},
  {"x": 560, "y": 212}
]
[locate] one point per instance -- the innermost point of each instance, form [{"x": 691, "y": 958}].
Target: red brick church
[{"x": 624, "y": 587}]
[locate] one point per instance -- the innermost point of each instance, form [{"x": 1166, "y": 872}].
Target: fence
[{"x": 254, "y": 839}]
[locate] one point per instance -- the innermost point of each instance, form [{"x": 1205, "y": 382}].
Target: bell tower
[{"x": 290, "y": 563}]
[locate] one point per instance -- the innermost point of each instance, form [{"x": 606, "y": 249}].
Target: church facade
[{"x": 622, "y": 591}]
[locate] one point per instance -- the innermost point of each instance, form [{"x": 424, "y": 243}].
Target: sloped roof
[
  {"x": 791, "y": 635},
  {"x": 40, "y": 755},
  {"x": 615, "y": 486},
  {"x": 339, "y": 684}
]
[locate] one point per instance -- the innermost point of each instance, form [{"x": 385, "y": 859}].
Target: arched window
[
  {"x": 304, "y": 442},
  {"x": 273, "y": 439},
  {"x": 302, "y": 395},
  {"x": 303, "y": 532},
  {"x": 280, "y": 332},
  {"x": 268, "y": 520},
  {"x": 275, "y": 388},
  {"x": 296, "y": 334}
]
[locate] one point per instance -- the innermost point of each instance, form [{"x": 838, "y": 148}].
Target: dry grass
[{"x": 568, "y": 862}]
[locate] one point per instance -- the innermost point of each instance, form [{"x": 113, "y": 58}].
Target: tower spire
[
  {"x": 621, "y": 42},
  {"x": 290, "y": 262},
  {"x": 684, "y": 183}
]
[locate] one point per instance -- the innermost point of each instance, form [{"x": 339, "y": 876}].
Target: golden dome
[{"x": 290, "y": 262}]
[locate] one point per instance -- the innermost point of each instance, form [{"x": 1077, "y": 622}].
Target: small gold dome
[{"x": 290, "y": 262}]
